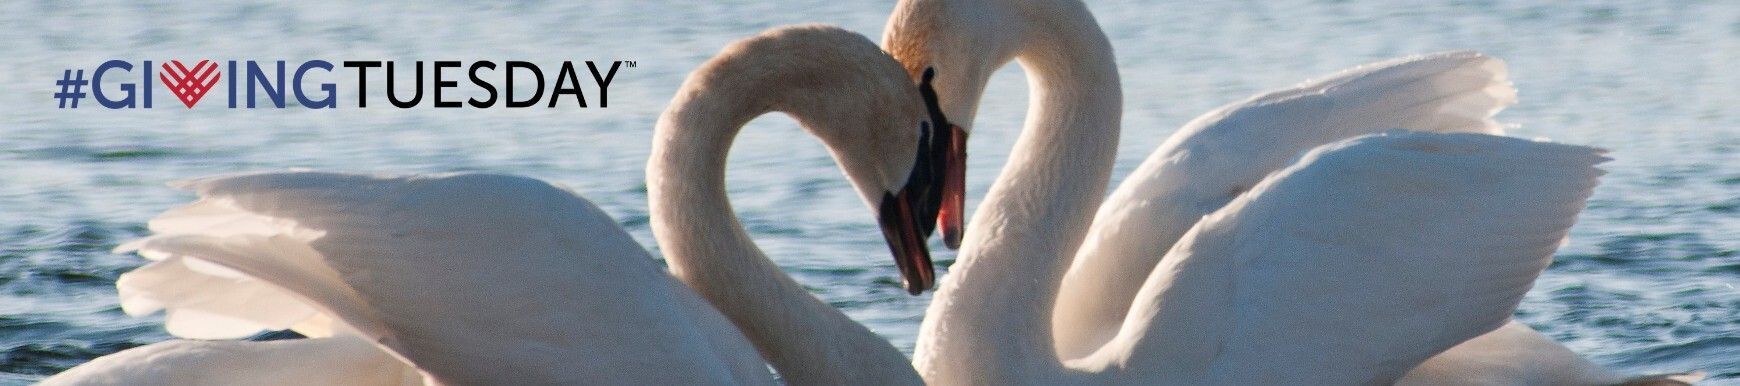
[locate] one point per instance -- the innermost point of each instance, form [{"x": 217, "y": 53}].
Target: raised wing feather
[
  {"x": 1225, "y": 152},
  {"x": 474, "y": 278},
  {"x": 1357, "y": 263}
]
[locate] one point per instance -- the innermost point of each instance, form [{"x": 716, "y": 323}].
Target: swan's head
[
  {"x": 951, "y": 48},
  {"x": 961, "y": 41},
  {"x": 844, "y": 90}
]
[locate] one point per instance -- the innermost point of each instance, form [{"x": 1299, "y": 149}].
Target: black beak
[
  {"x": 902, "y": 227},
  {"x": 949, "y": 171},
  {"x": 934, "y": 196},
  {"x": 908, "y": 217}
]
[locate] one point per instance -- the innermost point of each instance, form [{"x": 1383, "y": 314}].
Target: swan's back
[
  {"x": 1518, "y": 355},
  {"x": 474, "y": 278},
  {"x": 332, "y": 361}
]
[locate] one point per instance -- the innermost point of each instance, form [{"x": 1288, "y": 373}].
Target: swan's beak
[
  {"x": 949, "y": 148},
  {"x": 903, "y": 228},
  {"x": 954, "y": 187}
]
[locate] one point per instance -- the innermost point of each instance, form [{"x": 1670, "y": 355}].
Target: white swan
[
  {"x": 492, "y": 279},
  {"x": 1205, "y": 326}
]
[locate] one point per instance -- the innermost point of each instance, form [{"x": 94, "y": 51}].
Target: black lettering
[
  {"x": 439, "y": 84},
  {"x": 481, "y": 83},
  {"x": 603, "y": 82},
  {"x": 362, "y": 80},
  {"x": 416, "y": 96},
  {"x": 568, "y": 75},
  {"x": 509, "y": 89}
]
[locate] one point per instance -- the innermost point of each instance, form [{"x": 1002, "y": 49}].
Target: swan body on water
[{"x": 496, "y": 279}]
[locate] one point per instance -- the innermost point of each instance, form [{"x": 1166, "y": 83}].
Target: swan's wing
[
  {"x": 1223, "y": 153},
  {"x": 344, "y": 360},
  {"x": 1518, "y": 355},
  {"x": 473, "y": 278},
  {"x": 1511, "y": 355},
  {"x": 1359, "y": 262}
]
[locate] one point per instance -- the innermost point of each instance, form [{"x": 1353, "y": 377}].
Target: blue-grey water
[{"x": 1647, "y": 282}]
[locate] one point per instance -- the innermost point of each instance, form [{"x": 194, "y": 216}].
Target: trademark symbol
[{"x": 630, "y": 63}]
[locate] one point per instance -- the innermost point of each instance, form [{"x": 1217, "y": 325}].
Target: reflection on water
[{"x": 1647, "y": 282}]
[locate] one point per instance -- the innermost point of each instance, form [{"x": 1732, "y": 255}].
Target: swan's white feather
[
  {"x": 476, "y": 278},
  {"x": 1225, "y": 152},
  {"x": 1516, "y": 355},
  {"x": 345, "y": 360},
  {"x": 1357, "y": 263},
  {"x": 210, "y": 306}
]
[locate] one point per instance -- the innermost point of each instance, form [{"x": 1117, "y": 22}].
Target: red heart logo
[{"x": 189, "y": 85}]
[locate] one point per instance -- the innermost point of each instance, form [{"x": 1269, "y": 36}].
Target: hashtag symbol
[{"x": 76, "y": 86}]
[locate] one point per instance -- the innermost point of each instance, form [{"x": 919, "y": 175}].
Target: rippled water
[{"x": 1647, "y": 282}]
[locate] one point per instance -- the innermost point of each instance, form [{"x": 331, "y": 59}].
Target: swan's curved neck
[
  {"x": 806, "y": 340},
  {"x": 995, "y": 306}
]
